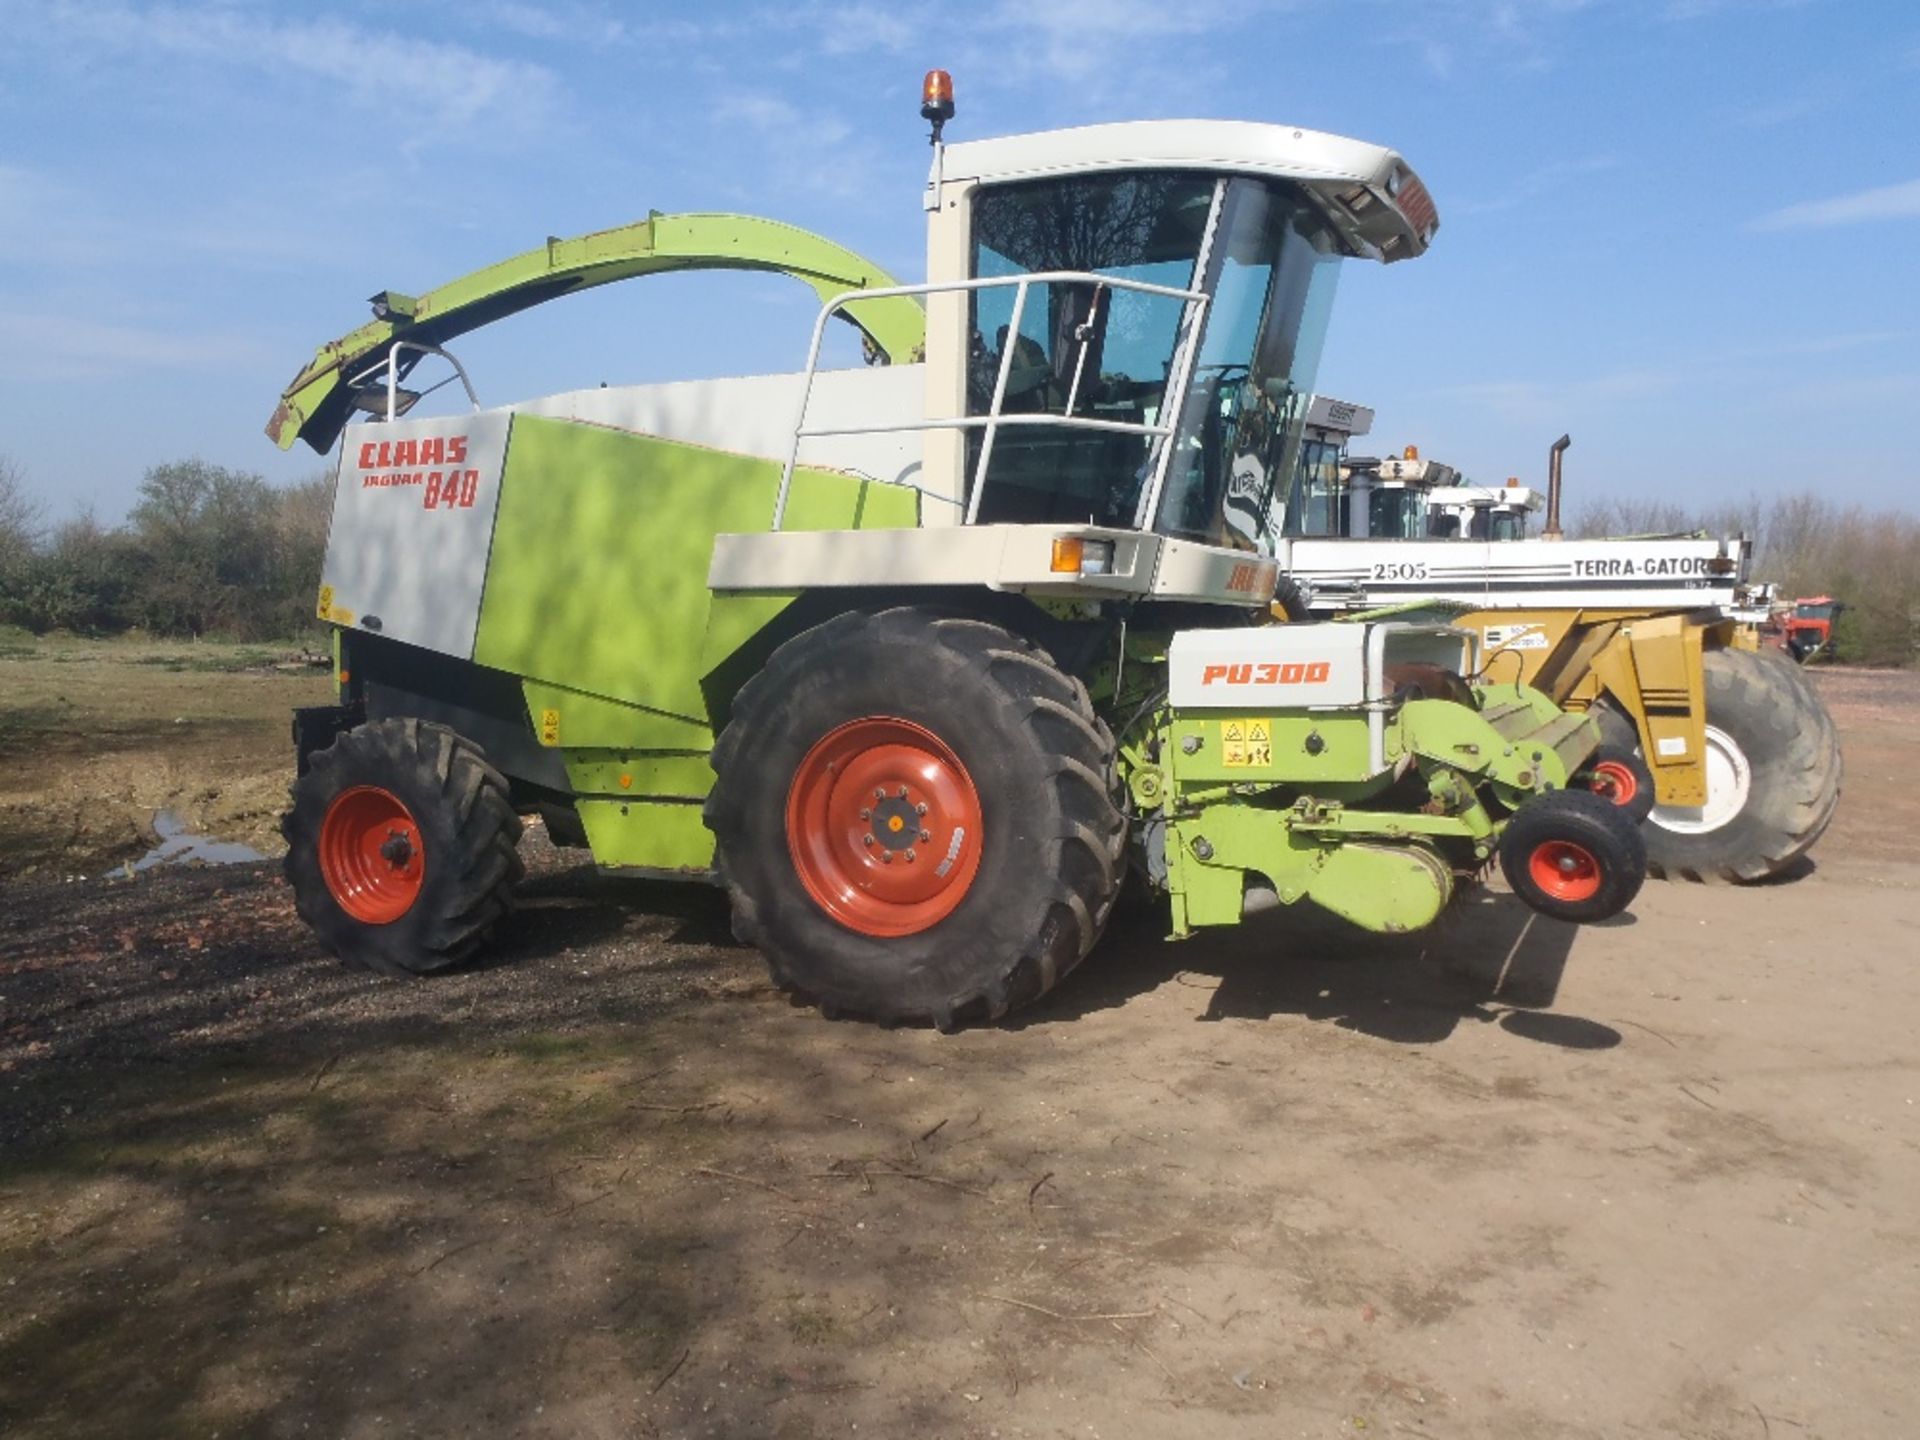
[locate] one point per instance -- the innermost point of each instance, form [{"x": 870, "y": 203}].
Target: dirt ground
[
  {"x": 97, "y": 736},
  {"x": 1506, "y": 1180}
]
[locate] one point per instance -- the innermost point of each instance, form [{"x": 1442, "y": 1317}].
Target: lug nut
[
  {"x": 921, "y": 808},
  {"x": 909, "y": 854},
  {"x": 925, "y": 836},
  {"x": 866, "y": 839},
  {"x": 866, "y": 814},
  {"x": 903, "y": 792},
  {"x": 886, "y": 857}
]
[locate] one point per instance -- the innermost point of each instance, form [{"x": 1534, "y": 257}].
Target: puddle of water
[{"x": 180, "y": 846}]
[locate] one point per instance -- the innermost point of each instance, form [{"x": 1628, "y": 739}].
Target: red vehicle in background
[{"x": 1804, "y": 629}]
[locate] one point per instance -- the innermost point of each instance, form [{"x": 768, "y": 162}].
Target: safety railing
[
  {"x": 993, "y": 420},
  {"x": 391, "y": 364}
]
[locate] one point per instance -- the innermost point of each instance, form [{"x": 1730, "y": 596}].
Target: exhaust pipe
[{"x": 1558, "y": 448}]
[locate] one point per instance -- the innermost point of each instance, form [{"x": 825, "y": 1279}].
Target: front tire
[
  {"x": 401, "y": 847},
  {"x": 916, "y": 817}
]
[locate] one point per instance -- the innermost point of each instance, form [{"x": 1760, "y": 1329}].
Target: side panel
[
  {"x": 756, "y": 415},
  {"x": 1525, "y": 574},
  {"x": 1275, "y": 667},
  {"x": 598, "y": 580},
  {"x": 413, "y": 514}
]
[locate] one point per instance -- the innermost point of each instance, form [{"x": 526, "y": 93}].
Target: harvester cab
[{"x": 917, "y": 659}]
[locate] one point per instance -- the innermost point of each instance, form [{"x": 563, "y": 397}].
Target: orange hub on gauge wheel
[
  {"x": 370, "y": 854},
  {"x": 1611, "y": 780},
  {"x": 883, "y": 825},
  {"x": 1564, "y": 870}
]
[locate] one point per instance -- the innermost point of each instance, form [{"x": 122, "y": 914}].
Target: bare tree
[{"x": 20, "y": 518}]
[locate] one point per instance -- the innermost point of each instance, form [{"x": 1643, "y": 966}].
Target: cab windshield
[
  {"x": 1395, "y": 514},
  {"x": 1106, "y": 354},
  {"x": 1316, "y": 501}
]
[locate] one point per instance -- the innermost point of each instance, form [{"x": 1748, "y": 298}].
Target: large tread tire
[
  {"x": 469, "y": 837},
  {"x": 1765, "y": 708},
  {"x": 1053, "y": 837}
]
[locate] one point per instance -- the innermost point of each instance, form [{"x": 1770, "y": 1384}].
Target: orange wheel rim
[
  {"x": 370, "y": 855},
  {"x": 1564, "y": 870},
  {"x": 883, "y": 824},
  {"x": 1613, "y": 781}
]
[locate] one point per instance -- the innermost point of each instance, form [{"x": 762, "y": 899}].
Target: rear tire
[
  {"x": 401, "y": 847},
  {"x": 977, "y": 725},
  {"x": 1573, "y": 855},
  {"x": 1774, "y": 772}
]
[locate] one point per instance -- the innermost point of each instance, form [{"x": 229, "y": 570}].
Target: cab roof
[{"x": 1372, "y": 196}]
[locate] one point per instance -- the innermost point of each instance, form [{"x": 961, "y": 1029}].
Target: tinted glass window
[{"x": 1081, "y": 348}]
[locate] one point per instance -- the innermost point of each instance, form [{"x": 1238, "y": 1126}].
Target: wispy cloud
[
  {"x": 1744, "y": 369},
  {"x": 1882, "y": 202},
  {"x": 1448, "y": 36},
  {"x": 50, "y": 225},
  {"x": 441, "y": 86},
  {"x": 1543, "y": 180},
  {"x": 53, "y": 345}
]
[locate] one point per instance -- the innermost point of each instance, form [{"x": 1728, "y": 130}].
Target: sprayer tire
[
  {"x": 1769, "y": 732},
  {"x": 461, "y": 836},
  {"x": 1017, "y": 754}
]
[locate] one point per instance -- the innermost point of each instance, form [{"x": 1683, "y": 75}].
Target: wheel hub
[
  {"x": 1729, "y": 785},
  {"x": 884, "y": 826},
  {"x": 1613, "y": 781},
  {"x": 371, "y": 856},
  {"x": 1564, "y": 870}
]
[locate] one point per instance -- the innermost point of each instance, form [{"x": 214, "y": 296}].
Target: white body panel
[
  {"x": 1308, "y": 667},
  {"x": 1000, "y": 557},
  {"x": 1337, "y": 575},
  {"x": 756, "y": 415},
  {"x": 1294, "y": 667},
  {"x": 1275, "y": 667},
  {"x": 413, "y": 509},
  {"x": 1015, "y": 558}
]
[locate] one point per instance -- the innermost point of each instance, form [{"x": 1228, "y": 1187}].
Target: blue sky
[{"x": 1686, "y": 231}]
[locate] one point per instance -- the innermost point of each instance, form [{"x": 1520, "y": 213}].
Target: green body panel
[
  {"x": 315, "y": 404},
  {"x": 1300, "y": 820},
  {"x": 1284, "y": 757},
  {"x": 563, "y": 717},
  {"x": 647, "y": 835},
  {"x": 598, "y": 576},
  {"x": 640, "y": 774},
  {"x": 1388, "y": 888}
]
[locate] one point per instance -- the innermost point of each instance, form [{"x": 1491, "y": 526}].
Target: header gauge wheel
[{"x": 1573, "y": 855}]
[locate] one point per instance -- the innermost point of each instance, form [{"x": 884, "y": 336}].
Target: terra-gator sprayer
[
  {"x": 1729, "y": 758},
  {"x": 916, "y": 659}
]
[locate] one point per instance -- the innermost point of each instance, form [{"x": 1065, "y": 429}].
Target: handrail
[
  {"x": 993, "y": 419},
  {"x": 391, "y": 364}
]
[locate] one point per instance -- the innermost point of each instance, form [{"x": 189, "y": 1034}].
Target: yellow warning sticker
[
  {"x": 325, "y": 608},
  {"x": 549, "y": 727},
  {"x": 1246, "y": 743}
]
